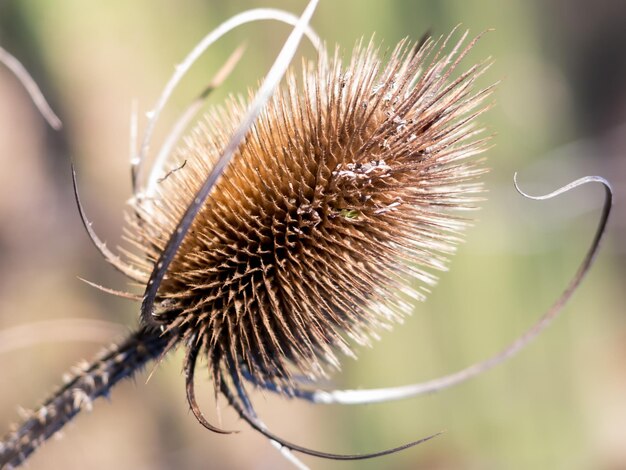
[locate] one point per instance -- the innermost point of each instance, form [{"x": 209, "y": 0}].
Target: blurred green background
[{"x": 560, "y": 114}]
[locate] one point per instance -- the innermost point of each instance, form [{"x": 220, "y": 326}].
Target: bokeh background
[{"x": 560, "y": 114}]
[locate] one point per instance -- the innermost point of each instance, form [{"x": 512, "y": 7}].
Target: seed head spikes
[
  {"x": 340, "y": 196},
  {"x": 296, "y": 223}
]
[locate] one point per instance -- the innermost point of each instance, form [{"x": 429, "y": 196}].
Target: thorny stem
[{"x": 95, "y": 380}]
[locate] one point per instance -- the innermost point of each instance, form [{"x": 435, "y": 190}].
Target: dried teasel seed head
[{"x": 341, "y": 201}]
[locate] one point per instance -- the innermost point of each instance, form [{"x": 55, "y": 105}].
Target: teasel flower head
[
  {"x": 336, "y": 210},
  {"x": 295, "y": 224}
]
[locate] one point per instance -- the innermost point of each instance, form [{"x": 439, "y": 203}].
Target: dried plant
[{"x": 294, "y": 224}]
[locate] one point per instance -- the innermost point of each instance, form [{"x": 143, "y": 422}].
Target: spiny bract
[{"x": 338, "y": 204}]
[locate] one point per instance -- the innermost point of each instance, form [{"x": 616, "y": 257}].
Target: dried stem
[
  {"x": 31, "y": 87},
  {"x": 92, "y": 381}
]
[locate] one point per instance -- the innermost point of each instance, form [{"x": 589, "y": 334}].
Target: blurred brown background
[{"x": 560, "y": 114}]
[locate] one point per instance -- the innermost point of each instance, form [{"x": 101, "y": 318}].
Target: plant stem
[{"x": 94, "y": 380}]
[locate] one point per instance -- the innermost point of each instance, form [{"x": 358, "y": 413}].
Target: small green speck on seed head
[{"x": 349, "y": 213}]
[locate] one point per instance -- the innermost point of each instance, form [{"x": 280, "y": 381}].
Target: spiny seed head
[{"x": 339, "y": 203}]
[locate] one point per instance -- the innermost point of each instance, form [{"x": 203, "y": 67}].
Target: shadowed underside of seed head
[{"x": 337, "y": 206}]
